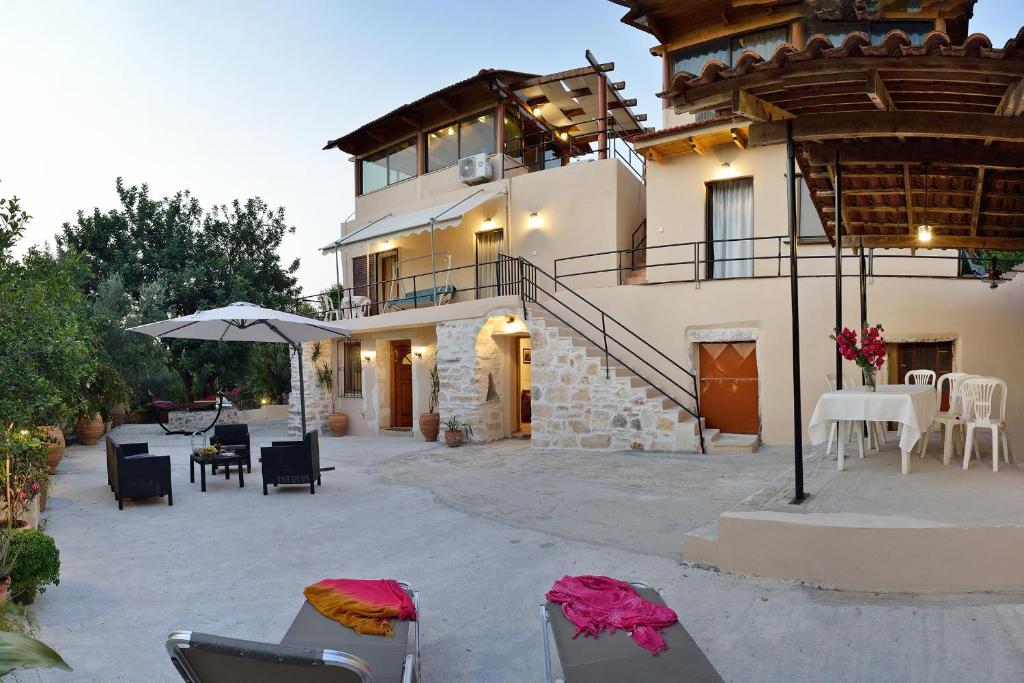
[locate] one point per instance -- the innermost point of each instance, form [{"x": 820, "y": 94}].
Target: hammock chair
[
  {"x": 401, "y": 296},
  {"x": 204, "y": 404}
]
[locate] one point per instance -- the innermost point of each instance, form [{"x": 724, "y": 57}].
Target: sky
[{"x": 233, "y": 99}]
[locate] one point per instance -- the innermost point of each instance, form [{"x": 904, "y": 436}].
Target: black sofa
[
  {"x": 292, "y": 462},
  {"x": 134, "y": 472}
]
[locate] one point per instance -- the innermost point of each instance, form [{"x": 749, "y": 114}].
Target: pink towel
[{"x": 599, "y": 603}]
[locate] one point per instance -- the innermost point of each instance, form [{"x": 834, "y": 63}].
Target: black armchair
[
  {"x": 235, "y": 438},
  {"x": 292, "y": 462},
  {"x": 134, "y": 472}
]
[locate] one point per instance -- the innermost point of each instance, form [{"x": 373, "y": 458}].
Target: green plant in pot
[
  {"x": 337, "y": 421},
  {"x": 22, "y": 471},
  {"x": 455, "y": 430},
  {"x": 36, "y": 565},
  {"x": 430, "y": 422}
]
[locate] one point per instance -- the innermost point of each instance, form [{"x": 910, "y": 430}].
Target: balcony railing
[
  {"x": 423, "y": 289},
  {"x": 768, "y": 257},
  {"x": 545, "y": 149}
]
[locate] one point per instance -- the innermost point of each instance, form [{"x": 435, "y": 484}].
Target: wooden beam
[
  {"x": 579, "y": 92},
  {"x": 617, "y": 85},
  {"x": 753, "y": 107},
  {"x": 1012, "y": 103},
  {"x": 909, "y": 198},
  {"x": 535, "y": 101},
  {"x": 739, "y": 137},
  {"x": 1005, "y": 157},
  {"x": 878, "y": 93},
  {"x": 450, "y": 105},
  {"x": 655, "y": 155},
  {"x": 622, "y": 104},
  {"x": 832, "y": 208},
  {"x": 937, "y": 242},
  {"x": 888, "y": 124},
  {"x": 695, "y": 146},
  {"x": 979, "y": 192}
]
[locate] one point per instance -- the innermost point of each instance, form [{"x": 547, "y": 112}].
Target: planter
[
  {"x": 55, "y": 450},
  {"x": 18, "y": 524},
  {"x": 42, "y": 497},
  {"x": 430, "y": 425},
  {"x": 25, "y": 597},
  {"x": 5, "y": 585},
  {"x": 89, "y": 429},
  {"x": 337, "y": 423},
  {"x": 453, "y": 438},
  {"x": 117, "y": 416}
]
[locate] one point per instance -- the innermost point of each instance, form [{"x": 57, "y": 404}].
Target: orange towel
[{"x": 366, "y": 607}]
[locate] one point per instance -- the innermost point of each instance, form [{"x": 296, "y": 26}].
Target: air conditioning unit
[{"x": 475, "y": 169}]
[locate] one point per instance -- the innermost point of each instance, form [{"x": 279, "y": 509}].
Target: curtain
[
  {"x": 488, "y": 244},
  {"x": 732, "y": 217}
]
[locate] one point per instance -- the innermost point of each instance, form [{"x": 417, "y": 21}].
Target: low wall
[
  {"x": 194, "y": 421},
  {"x": 851, "y": 551}
]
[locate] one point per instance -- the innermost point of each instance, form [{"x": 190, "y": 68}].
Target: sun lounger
[
  {"x": 315, "y": 649},
  {"x": 615, "y": 658}
]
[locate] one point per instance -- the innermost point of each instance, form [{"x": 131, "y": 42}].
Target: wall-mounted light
[
  {"x": 726, "y": 170},
  {"x": 726, "y": 164},
  {"x": 534, "y": 220},
  {"x": 924, "y": 233},
  {"x": 368, "y": 357},
  {"x": 488, "y": 224},
  {"x": 537, "y": 111},
  {"x": 417, "y": 351},
  {"x": 510, "y": 318},
  {"x": 264, "y": 401},
  {"x": 563, "y": 135}
]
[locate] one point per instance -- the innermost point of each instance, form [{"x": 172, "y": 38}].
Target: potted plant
[
  {"x": 337, "y": 421},
  {"x": 36, "y": 565},
  {"x": 430, "y": 422},
  {"x": 455, "y": 431},
  {"x": 54, "y": 447},
  {"x": 22, "y": 471}
]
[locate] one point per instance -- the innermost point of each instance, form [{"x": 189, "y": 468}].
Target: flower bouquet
[{"x": 869, "y": 355}]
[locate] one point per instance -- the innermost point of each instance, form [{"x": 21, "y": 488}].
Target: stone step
[{"x": 733, "y": 443}]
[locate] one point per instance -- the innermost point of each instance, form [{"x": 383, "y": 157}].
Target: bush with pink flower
[{"x": 869, "y": 354}]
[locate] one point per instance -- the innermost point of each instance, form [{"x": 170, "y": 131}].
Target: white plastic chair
[
  {"x": 979, "y": 393},
  {"x": 329, "y": 311},
  {"x": 947, "y": 422},
  {"x": 853, "y": 428},
  {"x": 920, "y": 377}
]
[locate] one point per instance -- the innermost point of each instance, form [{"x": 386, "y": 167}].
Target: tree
[{"x": 192, "y": 260}]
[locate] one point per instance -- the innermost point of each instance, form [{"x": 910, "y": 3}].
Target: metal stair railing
[{"x": 528, "y": 281}]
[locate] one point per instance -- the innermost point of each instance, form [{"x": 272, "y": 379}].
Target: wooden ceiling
[{"x": 926, "y": 134}]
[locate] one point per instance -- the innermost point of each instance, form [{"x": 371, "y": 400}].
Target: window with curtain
[
  {"x": 730, "y": 218},
  {"x": 350, "y": 369},
  {"x": 727, "y": 50},
  {"x": 807, "y": 216},
  {"x": 449, "y": 143},
  {"x": 488, "y": 245},
  {"x": 388, "y": 166}
]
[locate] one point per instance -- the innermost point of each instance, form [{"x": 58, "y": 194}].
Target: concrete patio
[{"x": 482, "y": 532}]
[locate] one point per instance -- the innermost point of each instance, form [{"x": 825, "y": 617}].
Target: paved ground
[{"x": 481, "y": 532}]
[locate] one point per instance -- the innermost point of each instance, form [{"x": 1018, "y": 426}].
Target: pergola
[{"x": 889, "y": 137}]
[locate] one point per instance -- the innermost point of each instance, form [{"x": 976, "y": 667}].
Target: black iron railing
[
  {"x": 545, "y": 149},
  {"x": 616, "y": 340},
  {"x": 765, "y": 257}
]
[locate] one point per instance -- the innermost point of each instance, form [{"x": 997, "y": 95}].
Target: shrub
[{"x": 36, "y": 563}]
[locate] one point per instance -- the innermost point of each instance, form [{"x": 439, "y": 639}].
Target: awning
[{"x": 445, "y": 215}]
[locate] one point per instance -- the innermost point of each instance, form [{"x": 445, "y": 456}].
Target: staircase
[
  {"x": 634, "y": 265},
  {"x": 597, "y": 383}
]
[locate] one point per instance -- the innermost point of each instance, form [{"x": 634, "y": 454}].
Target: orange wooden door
[
  {"x": 401, "y": 384},
  {"x": 728, "y": 387}
]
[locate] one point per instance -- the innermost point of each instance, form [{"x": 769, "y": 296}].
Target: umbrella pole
[{"x": 302, "y": 393}]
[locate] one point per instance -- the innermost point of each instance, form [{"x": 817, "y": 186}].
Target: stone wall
[
  {"x": 576, "y": 406},
  {"x": 472, "y": 366},
  {"x": 319, "y": 401},
  {"x": 198, "y": 420}
]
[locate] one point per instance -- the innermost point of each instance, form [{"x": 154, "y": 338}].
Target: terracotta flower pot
[
  {"x": 42, "y": 498},
  {"x": 117, "y": 416},
  {"x": 337, "y": 423},
  {"x": 430, "y": 425},
  {"x": 89, "y": 429},
  {"x": 5, "y": 585},
  {"x": 453, "y": 438},
  {"x": 55, "y": 449}
]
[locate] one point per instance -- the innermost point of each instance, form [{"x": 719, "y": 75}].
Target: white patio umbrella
[{"x": 242, "y": 321}]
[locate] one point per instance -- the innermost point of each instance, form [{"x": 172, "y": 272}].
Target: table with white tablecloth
[{"x": 913, "y": 406}]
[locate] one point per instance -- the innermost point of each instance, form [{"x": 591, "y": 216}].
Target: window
[
  {"x": 727, "y": 50},
  {"x": 836, "y": 31},
  {"x": 448, "y": 144},
  {"x": 488, "y": 246},
  {"x": 730, "y": 225},
  {"x": 808, "y": 219},
  {"x": 388, "y": 166},
  {"x": 350, "y": 369},
  {"x": 514, "y": 134}
]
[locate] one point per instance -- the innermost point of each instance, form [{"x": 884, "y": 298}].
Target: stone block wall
[
  {"x": 319, "y": 401},
  {"x": 576, "y": 406}
]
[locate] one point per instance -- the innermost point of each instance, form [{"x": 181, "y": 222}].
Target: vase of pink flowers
[{"x": 869, "y": 354}]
